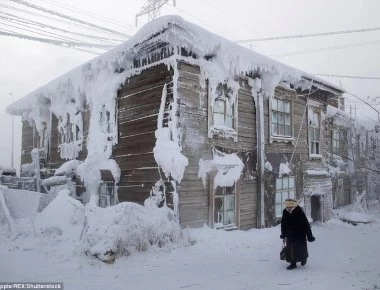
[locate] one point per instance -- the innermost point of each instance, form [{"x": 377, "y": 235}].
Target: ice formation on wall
[{"x": 227, "y": 168}]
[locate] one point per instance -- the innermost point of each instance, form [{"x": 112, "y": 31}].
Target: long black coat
[{"x": 295, "y": 227}]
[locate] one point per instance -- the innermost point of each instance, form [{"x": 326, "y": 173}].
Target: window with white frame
[
  {"x": 281, "y": 118},
  {"x": 223, "y": 113},
  {"x": 224, "y": 206},
  {"x": 285, "y": 188},
  {"x": 337, "y": 141},
  {"x": 314, "y": 131}
]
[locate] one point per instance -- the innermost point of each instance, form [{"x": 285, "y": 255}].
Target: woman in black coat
[{"x": 295, "y": 228}]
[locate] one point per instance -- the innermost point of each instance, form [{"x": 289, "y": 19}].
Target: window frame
[
  {"x": 337, "y": 132},
  {"x": 224, "y": 196},
  {"x": 276, "y": 137},
  {"x": 222, "y": 93},
  {"x": 279, "y": 113},
  {"x": 316, "y": 108},
  {"x": 283, "y": 191}
]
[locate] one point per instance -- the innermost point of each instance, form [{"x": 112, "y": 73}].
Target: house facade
[{"x": 181, "y": 117}]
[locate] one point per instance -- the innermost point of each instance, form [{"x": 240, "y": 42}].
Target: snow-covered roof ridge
[{"x": 176, "y": 30}]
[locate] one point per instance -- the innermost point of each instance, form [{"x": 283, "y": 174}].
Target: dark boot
[
  {"x": 292, "y": 266},
  {"x": 303, "y": 262}
]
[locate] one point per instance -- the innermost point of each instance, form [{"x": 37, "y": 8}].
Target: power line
[
  {"x": 322, "y": 49},
  {"x": 348, "y": 77},
  {"x": 70, "y": 44},
  {"x": 21, "y": 20},
  {"x": 310, "y": 35},
  {"x": 90, "y": 14},
  {"x": 43, "y": 16},
  {"x": 229, "y": 15},
  {"x": 52, "y": 12}
]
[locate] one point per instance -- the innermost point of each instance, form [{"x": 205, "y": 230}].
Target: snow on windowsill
[
  {"x": 317, "y": 172},
  {"x": 282, "y": 139},
  {"x": 315, "y": 156},
  {"x": 223, "y": 132}
]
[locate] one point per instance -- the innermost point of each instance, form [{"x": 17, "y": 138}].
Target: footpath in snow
[{"x": 343, "y": 256}]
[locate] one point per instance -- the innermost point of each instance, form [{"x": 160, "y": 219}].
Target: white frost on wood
[
  {"x": 167, "y": 151},
  {"x": 228, "y": 168},
  {"x": 68, "y": 168},
  {"x": 284, "y": 169},
  {"x": 268, "y": 166},
  {"x": 317, "y": 172}
]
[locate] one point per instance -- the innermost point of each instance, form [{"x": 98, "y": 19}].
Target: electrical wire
[
  {"x": 91, "y": 14},
  {"x": 349, "y": 77},
  {"x": 45, "y": 17},
  {"x": 69, "y": 44},
  {"x": 322, "y": 49},
  {"x": 73, "y": 19},
  {"x": 26, "y": 21},
  {"x": 307, "y": 35}
]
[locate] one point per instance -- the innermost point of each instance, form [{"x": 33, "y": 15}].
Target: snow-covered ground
[{"x": 342, "y": 257}]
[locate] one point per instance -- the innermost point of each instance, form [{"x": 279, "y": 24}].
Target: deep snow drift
[{"x": 342, "y": 257}]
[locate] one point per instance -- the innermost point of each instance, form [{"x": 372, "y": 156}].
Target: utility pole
[
  {"x": 152, "y": 8},
  {"x": 13, "y": 133}
]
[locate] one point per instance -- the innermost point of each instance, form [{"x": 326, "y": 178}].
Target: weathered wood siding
[
  {"x": 29, "y": 139},
  {"x": 138, "y": 107},
  {"x": 275, "y": 150},
  {"x": 194, "y": 196}
]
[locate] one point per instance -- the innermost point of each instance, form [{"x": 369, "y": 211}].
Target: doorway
[{"x": 316, "y": 208}]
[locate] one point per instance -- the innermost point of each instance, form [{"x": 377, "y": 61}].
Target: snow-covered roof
[{"x": 231, "y": 57}]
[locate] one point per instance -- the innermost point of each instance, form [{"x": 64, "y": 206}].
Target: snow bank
[
  {"x": 129, "y": 228},
  {"x": 68, "y": 168},
  {"x": 123, "y": 229}
]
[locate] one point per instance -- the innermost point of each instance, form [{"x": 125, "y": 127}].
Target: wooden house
[{"x": 180, "y": 116}]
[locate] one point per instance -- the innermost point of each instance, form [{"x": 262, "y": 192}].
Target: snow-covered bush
[{"x": 106, "y": 233}]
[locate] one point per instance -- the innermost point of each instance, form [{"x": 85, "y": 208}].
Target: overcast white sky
[{"x": 26, "y": 65}]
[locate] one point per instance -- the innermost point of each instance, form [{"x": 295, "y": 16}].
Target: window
[
  {"x": 337, "y": 141},
  {"x": 223, "y": 107},
  {"x": 281, "y": 118},
  {"x": 285, "y": 188},
  {"x": 106, "y": 194},
  {"x": 223, "y": 113},
  {"x": 224, "y": 207},
  {"x": 314, "y": 132}
]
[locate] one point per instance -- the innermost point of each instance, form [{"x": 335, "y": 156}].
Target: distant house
[{"x": 178, "y": 115}]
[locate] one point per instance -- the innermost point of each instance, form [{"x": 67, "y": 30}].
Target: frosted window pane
[
  {"x": 291, "y": 194},
  {"x": 281, "y": 106},
  {"x": 281, "y": 130},
  {"x": 288, "y": 131},
  {"x": 229, "y": 217},
  {"x": 229, "y": 122},
  {"x": 285, "y": 183},
  {"x": 291, "y": 182},
  {"x": 287, "y": 107},
  {"x": 287, "y": 119},
  {"x": 278, "y": 183},
  {"x": 218, "y": 119},
  {"x": 219, "y": 107},
  {"x": 278, "y": 198},
  {"x": 274, "y": 105},
  {"x": 229, "y": 202},
  {"x": 281, "y": 118},
  {"x": 285, "y": 196},
  {"x": 278, "y": 210},
  {"x": 274, "y": 117},
  {"x": 274, "y": 129}
]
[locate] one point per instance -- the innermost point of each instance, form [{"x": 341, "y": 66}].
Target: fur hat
[{"x": 290, "y": 202}]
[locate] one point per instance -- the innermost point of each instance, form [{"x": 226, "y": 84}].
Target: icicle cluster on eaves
[{"x": 230, "y": 57}]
